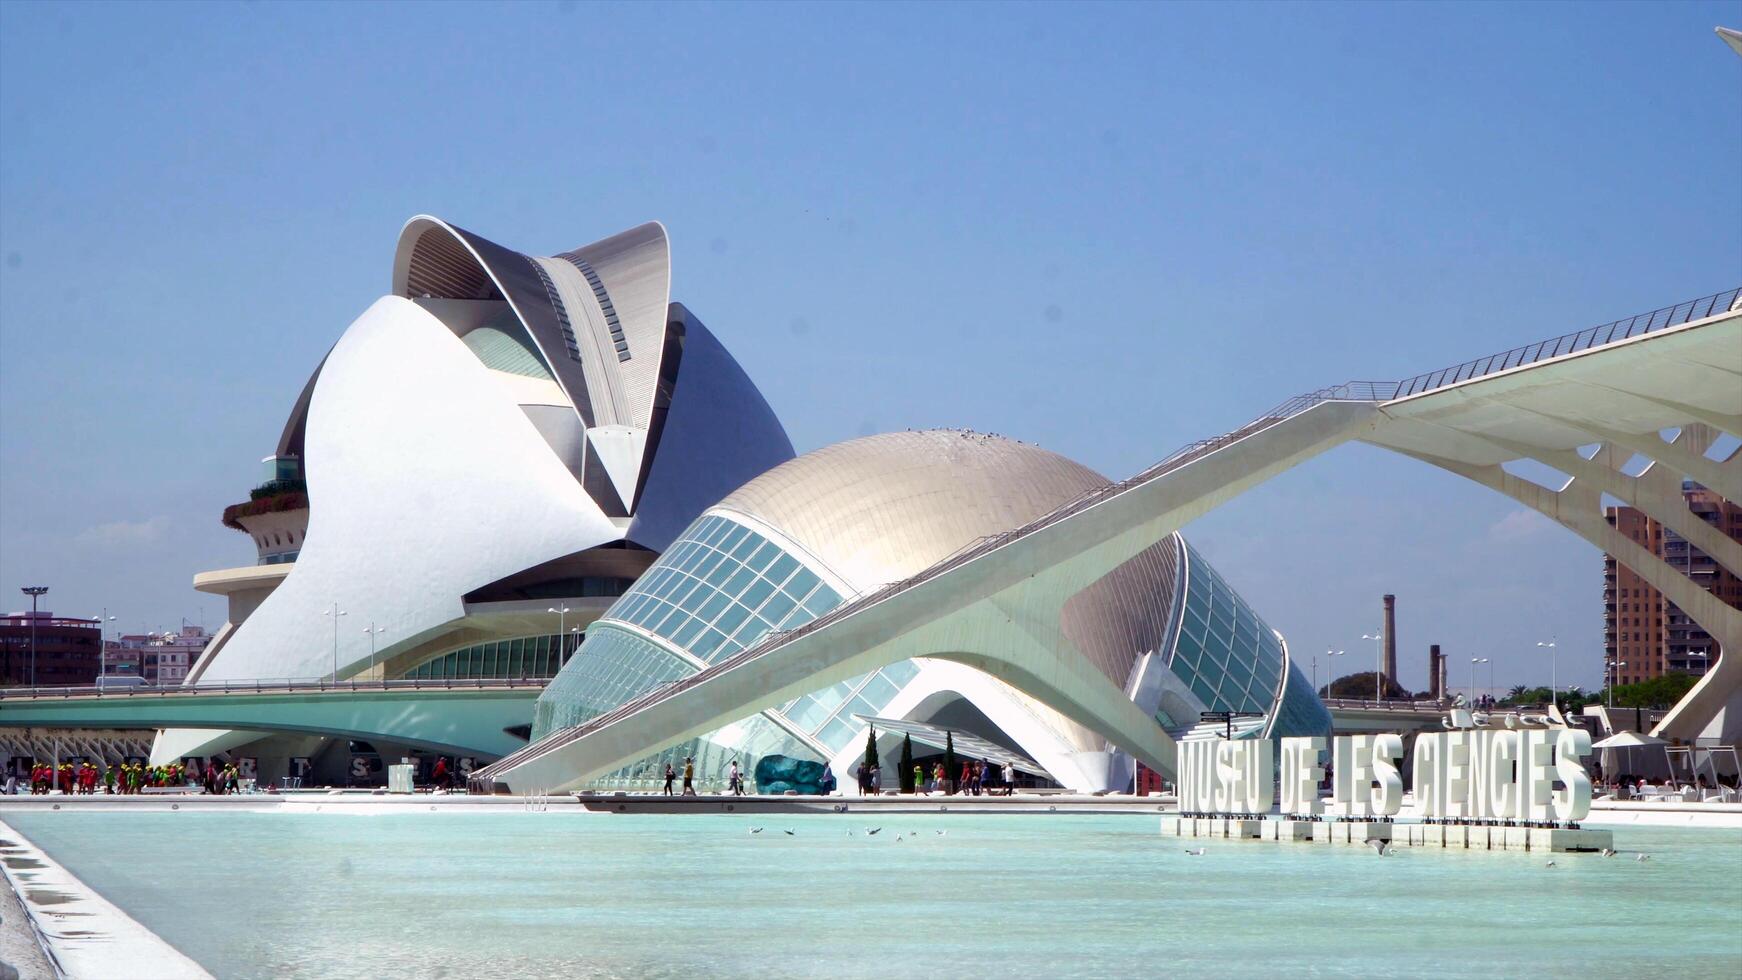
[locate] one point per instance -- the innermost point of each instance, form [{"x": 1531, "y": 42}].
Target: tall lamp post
[
  {"x": 33, "y": 591},
  {"x": 373, "y": 632},
  {"x": 1328, "y": 655},
  {"x": 1554, "y": 680},
  {"x": 1614, "y": 672},
  {"x": 1473, "y": 662},
  {"x": 1378, "y": 671},
  {"x": 102, "y": 648},
  {"x": 562, "y": 623},
  {"x": 335, "y": 612}
]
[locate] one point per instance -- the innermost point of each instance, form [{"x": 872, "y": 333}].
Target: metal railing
[
  {"x": 1399, "y": 704},
  {"x": 275, "y": 685},
  {"x": 1572, "y": 343}
]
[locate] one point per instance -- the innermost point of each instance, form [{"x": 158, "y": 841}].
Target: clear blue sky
[{"x": 1110, "y": 230}]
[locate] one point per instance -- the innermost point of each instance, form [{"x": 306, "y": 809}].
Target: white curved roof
[{"x": 880, "y": 508}]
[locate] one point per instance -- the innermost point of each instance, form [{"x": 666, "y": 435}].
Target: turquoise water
[{"x": 563, "y": 894}]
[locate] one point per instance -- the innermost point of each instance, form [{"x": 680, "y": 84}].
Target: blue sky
[{"x": 1109, "y": 230}]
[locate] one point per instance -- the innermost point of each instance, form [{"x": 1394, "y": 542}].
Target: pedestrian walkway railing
[
  {"x": 1571, "y": 343},
  {"x": 274, "y": 686},
  {"x": 1369, "y": 704}
]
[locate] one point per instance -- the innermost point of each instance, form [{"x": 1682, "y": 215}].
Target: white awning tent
[{"x": 1630, "y": 741}]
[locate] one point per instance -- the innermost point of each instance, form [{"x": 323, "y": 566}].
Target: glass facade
[
  {"x": 719, "y": 588},
  {"x": 827, "y": 715},
  {"x": 1232, "y": 660},
  {"x": 612, "y": 666},
  {"x": 525, "y": 656}
]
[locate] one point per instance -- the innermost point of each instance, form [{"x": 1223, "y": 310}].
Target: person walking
[
  {"x": 876, "y": 780},
  {"x": 937, "y": 778},
  {"x": 108, "y": 780},
  {"x": 689, "y": 776},
  {"x": 670, "y": 774},
  {"x": 1009, "y": 779},
  {"x": 735, "y": 780},
  {"x": 439, "y": 778},
  {"x": 919, "y": 785}
]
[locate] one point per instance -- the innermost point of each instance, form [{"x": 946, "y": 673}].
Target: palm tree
[{"x": 1517, "y": 693}]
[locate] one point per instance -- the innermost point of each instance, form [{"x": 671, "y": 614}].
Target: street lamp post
[
  {"x": 335, "y": 612},
  {"x": 102, "y": 648},
  {"x": 373, "y": 632},
  {"x": 1378, "y": 671},
  {"x": 1554, "y": 680},
  {"x": 1328, "y": 655},
  {"x": 33, "y": 591},
  {"x": 1614, "y": 673},
  {"x": 562, "y": 624},
  {"x": 1473, "y": 662}
]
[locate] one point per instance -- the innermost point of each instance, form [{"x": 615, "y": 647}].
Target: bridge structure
[
  {"x": 402, "y": 711},
  {"x": 1662, "y": 386},
  {"x": 488, "y": 718}
]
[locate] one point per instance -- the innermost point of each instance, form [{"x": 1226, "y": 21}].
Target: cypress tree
[
  {"x": 870, "y": 749},
  {"x": 906, "y": 773},
  {"x": 950, "y": 760}
]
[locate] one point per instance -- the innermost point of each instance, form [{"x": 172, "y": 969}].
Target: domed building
[{"x": 798, "y": 540}]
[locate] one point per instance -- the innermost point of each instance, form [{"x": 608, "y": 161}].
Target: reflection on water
[{"x": 566, "y": 894}]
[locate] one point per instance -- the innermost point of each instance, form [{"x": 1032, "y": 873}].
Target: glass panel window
[
  {"x": 901, "y": 673},
  {"x": 809, "y": 715},
  {"x": 835, "y": 735},
  {"x": 707, "y": 642},
  {"x": 747, "y": 547},
  {"x": 878, "y": 691},
  {"x": 716, "y": 604},
  {"x": 802, "y": 583},
  {"x": 755, "y": 593},
  {"x": 854, "y": 707},
  {"x": 775, "y": 610},
  {"x": 782, "y": 568},
  {"x": 731, "y": 619},
  {"x": 764, "y": 556},
  {"x": 739, "y": 581}
]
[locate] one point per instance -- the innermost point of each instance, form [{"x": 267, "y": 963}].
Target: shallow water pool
[{"x": 569, "y": 894}]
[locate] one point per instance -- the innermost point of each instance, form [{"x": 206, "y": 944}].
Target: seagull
[
  {"x": 898, "y": 838},
  {"x": 870, "y": 831},
  {"x": 1197, "y": 853},
  {"x": 789, "y": 833},
  {"x": 940, "y": 833},
  {"x": 1380, "y": 846},
  {"x": 756, "y": 830},
  {"x": 1642, "y": 857},
  {"x": 1549, "y": 865},
  {"x": 1607, "y": 852}
]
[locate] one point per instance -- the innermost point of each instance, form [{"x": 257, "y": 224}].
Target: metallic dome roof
[{"x": 882, "y": 507}]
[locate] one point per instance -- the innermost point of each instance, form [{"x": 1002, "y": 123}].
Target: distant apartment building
[
  {"x": 1644, "y": 634},
  {"x": 160, "y": 658},
  {"x": 49, "y": 650}
]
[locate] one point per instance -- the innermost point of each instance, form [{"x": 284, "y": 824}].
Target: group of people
[
  {"x": 689, "y": 776},
  {"x": 975, "y": 779},
  {"x": 124, "y": 779}
]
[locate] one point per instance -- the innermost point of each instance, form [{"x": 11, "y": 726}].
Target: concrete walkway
[{"x": 86, "y": 935}]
